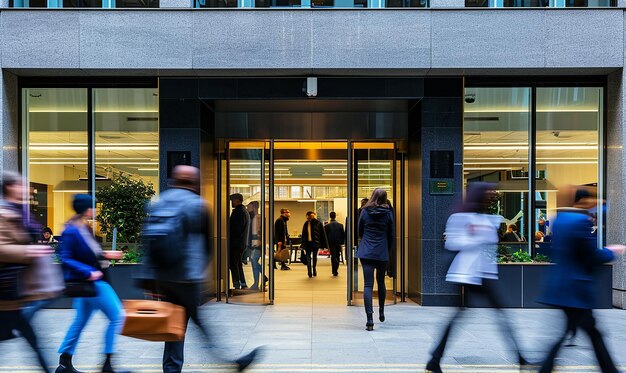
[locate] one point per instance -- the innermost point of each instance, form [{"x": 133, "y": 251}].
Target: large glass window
[
  {"x": 84, "y": 3},
  {"x": 57, "y": 140},
  {"x": 498, "y": 130},
  {"x": 497, "y": 123},
  {"x": 55, "y": 124}
]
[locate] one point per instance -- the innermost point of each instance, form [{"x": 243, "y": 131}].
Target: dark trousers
[
  {"x": 489, "y": 290},
  {"x": 582, "y": 318},
  {"x": 311, "y": 257},
  {"x": 236, "y": 267},
  {"x": 335, "y": 252},
  {"x": 187, "y": 295},
  {"x": 369, "y": 266},
  {"x": 11, "y": 321}
]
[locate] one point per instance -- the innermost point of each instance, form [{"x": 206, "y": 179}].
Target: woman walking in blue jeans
[
  {"x": 377, "y": 234},
  {"x": 83, "y": 260}
]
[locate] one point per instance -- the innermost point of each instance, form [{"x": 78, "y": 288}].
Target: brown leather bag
[
  {"x": 154, "y": 320},
  {"x": 283, "y": 254}
]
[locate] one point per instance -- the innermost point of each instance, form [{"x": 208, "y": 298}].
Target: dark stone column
[{"x": 440, "y": 129}]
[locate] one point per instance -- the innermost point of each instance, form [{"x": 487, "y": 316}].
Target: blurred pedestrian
[
  {"x": 570, "y": 285},
  {"x": 313, "y": 239},
  {"x": 336, "y": 236},
  {"x": 254, "y": 244},
  {"x": 474, "y": 234},
  {"x": 47, "y": 237},
  {"x": 377, "y": 235},
  {"x": 239, "y": 228},
  {"x": 26, "y": 271},
  {"x": 179, "y": 279},
  {"x": 84, "y": 263}
]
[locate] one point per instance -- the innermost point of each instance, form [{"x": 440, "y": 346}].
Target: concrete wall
[{"x": 390, "y": 41}]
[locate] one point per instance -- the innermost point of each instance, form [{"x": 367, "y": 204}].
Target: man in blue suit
[{"x": 570, "y": 284}]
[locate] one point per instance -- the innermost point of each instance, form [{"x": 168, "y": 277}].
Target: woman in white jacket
[{"x": 473, "y": 234}]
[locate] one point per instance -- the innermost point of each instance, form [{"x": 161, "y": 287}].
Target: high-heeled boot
[
  {"x": 107, "y": 367},
  {"x": 369, "y": 326},
  {"x": 381, "y": 313},
  {"x": 65, "y": 364}
]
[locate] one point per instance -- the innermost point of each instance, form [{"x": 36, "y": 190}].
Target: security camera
[
  {"x": 470, "y": 98},
  {"x": 311, "y": 87}
]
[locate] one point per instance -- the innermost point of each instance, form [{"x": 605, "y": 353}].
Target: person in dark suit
[
  {"x": 570, "y": 283},
  {"x": 336, "y": 237},
  {"x": 377, "y": 234},
  {"x": 313, "y": 239},
  {"x": 281, "y": 234},
  {"x": 239, "y": 231}
]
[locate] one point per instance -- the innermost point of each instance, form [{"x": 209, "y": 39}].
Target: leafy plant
[
  {"x": 521, "y": 257},
  {"x": 540, "y": 258},
  {"x": 122, "y": 206}
]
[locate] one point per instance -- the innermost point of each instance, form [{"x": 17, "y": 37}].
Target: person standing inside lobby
[
  {"x": 281, "y": 234},
  {"x": 239, "y": 230},
  {"x": 336, "y": 237},
  {"x": 313, "y": 239}
]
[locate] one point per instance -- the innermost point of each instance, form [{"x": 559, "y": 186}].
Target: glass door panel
[
  {"x": 373, "y": 166},
  {"x": 247, "y": 278}
]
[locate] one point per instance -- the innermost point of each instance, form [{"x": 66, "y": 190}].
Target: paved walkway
[{"x": 331, "y": 338}]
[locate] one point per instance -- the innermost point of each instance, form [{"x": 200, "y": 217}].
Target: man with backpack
[{"x": 177, "y": 248}]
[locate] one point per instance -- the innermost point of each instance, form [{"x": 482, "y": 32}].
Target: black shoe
[
  {"x": 108, "y": 368},
  {"x": 244, "y": 361},
  {"x": 284, "y": 268},
  {"x": 314, "y": 272},
  {"x": 433, "y": 366},
  {"x": 369, "y": 326},
  {"x": 335, "y": 274},
  {"x": 65, "y": 364},
  {"x": 310, "y": 275},
  {"x": 381, "y": 314}
]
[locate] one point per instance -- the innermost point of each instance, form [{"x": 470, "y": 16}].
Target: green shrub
[
  {"x": 540, "y": 258},
  {"x": 521, "y": 257}
]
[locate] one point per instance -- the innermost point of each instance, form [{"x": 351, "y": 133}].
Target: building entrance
[{"x": 279, "y": 183}]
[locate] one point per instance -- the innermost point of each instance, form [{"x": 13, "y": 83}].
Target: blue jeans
[
  {"x": 255, "y": 255},
  {"x": 108, "y": 302}
]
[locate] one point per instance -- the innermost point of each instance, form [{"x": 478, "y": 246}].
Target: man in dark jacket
[
  {"x": 336, "y": 237},
  {"x": 239, "y": 231},
  {"x": 281, "y": 234},
  {"x": 181, "y": 282},
  {"x": 313, "y": 239},
  {"x": 570, "y": 284}
]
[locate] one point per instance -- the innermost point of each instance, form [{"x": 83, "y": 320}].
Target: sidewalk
[{"x": 324, "y": 338}]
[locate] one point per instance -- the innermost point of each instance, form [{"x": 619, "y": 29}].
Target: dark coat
[
  {"x": 239, "y": 228},
  {"x": 318, "y": 235},
  {"x": 377, "y": 233},
  {"x": 196, "y": 248},
  {"x": 335, "y": 233},
  {"x": 281, "y": 232},
  {"x": 574, "y": 250},
  {"x": 77, "y": 258}
]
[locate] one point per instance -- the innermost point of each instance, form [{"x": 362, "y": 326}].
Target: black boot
[
  {"x": 244, "y": 361},
  {"x": 433, "y": 366},
  {"x": 314, "y": 271},
  {"x": 369, "y": 326},
  {"x": 108, "y": 368},
  {"x": 381, "y": 313},
  {"x": 65, "y": 364}
]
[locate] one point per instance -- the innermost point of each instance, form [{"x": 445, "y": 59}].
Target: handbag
[
  {"x": 10, "y": 284},
  {"x": 303, "y": 257},
  {"x": 153, "y": 320},
  {"x": 80, "y": 289},
  {"x": 282, "y": 255}
]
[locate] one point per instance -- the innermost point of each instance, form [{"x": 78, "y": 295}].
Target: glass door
[
  {"x": 373, "y": 165},
  {"x": 247, "y": 277}
]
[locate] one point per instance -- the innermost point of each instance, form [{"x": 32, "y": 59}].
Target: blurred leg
[
  {"x": 239, "y": 266},
  {"x": 84, "y": 310},
  {"x": 548, "y": 363},
  {"x": 381, "y": 268},
  {"x": 587, "y": 322},
  {"x": 334, "y": 258},
  {"x": 255, "y": 255},
  {"x": 233, "y": 259},
  {"x": 437, "y": 353},
  {"x": 490, "y": 290},
  {"x": 111, "y": 306}
]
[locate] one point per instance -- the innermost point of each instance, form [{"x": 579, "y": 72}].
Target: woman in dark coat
[{"x": 377, "y": 234}]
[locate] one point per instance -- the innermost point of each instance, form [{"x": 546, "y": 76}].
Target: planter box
[
  {"x": 120, "y": 277},
  {"x": 520, "y": 285}
]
